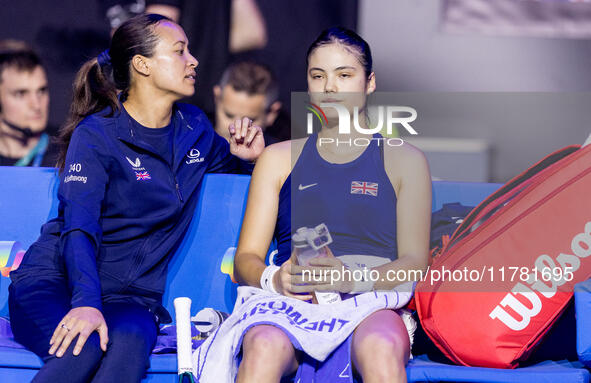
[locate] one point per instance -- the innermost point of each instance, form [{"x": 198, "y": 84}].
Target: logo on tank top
[
  {"x": 362, "y": 187},
  {"x": 304, "y": 187}
]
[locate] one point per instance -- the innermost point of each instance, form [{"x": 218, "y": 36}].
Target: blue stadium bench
[{"x": 27, "y": 200}]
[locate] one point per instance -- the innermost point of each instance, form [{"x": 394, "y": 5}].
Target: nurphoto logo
[{"x": 388, "y": 115}]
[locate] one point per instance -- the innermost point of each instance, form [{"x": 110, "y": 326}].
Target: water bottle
[
  {"x": 208, "y": 320},
  {"x": 311, "y": 243}
]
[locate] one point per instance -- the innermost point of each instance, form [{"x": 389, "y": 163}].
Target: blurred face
[
  {"x": 335, "y": 75},
  {"x": 172, "y": 67},
  {"x": 231, "y": 105},
  {"x": 24, "y": 98}
]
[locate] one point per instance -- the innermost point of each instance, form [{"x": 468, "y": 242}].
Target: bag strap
[{"x": 504, "y": 191}]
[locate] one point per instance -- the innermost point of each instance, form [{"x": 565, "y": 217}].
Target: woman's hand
[
  {"x": 324, "y": 274},
  {"x": 283, "y": 282},
  {"x": 321, "y": 274},
  {"x": 81, "y": 321},
  {"x": 246, "y": 140},
  {"x": 330, "y": 275}
]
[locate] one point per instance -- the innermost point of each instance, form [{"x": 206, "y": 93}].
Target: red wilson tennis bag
[{"x": 508, "y": 271}]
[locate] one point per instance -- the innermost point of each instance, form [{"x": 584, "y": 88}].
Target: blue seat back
[
  {"x": 27, "y": 200},
  {"x": 200, "y": 268},
  {"x": 467, "y": 193}
]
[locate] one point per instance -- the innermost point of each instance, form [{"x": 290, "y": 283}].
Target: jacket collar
[{"x": 186, "y": 133}]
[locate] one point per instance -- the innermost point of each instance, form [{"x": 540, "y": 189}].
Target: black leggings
[{"x": 36, "y": 307}]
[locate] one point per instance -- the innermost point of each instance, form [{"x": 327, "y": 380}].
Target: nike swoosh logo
[{"x": 302, "y": 187}]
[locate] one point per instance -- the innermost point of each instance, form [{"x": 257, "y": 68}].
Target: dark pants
[{"x": 37, "y": 306}]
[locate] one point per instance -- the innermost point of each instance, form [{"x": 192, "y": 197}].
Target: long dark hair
[
  {"x": 346, "y": 37},
  {"x": 96, "y": 85}
]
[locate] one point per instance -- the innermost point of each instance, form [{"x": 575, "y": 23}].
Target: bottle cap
[
  {"x": 300, "y": 237},
  {"x": 206, "y": 320}
]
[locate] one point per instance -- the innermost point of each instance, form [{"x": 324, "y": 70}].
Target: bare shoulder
[
  {"x": 294, "y": 147},
  {"x": 278, "y": 154},
  {"x": 405, "y": 161},
  {"x": 274, "y": 164},
  {"x": 405, "y": 154}
]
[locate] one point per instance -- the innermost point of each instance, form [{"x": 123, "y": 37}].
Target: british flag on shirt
[
  {"x": 362, "y": 187},
  {"x": 141, "y": 176}
]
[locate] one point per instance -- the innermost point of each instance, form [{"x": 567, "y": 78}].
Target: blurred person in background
[
  {"x": 217, "y": 30},
  {"x": 24, "y": 107},
  {"x": 247, "y": 89}
]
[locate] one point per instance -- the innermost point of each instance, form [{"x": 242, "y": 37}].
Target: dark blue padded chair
[
  {"x": 201, "y": 266},
  {"x": 583, "y": 305}
]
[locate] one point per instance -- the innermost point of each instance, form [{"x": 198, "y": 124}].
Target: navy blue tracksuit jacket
[{"x": 123, "y": 209}]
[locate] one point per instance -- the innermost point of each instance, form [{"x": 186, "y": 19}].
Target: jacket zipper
[
  {"x": 179, "y": 192},
  {"x": 174, "y": 179},
  {"x": 178, "y": 189},
  {"x": 140, "y": 254},
  {"x": 176, "y": 182}
]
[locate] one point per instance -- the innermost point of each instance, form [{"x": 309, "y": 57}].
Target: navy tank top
[{"x": 356, "y": 200}]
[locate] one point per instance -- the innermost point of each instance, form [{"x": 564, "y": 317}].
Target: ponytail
[
  {"x": 99, "y": 81},
  {"x": 92, "y": 91}
]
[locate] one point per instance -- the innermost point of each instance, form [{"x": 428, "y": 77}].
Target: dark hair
[
  {"x": 347, "y": 38},
  {"x": 17, "y": 54},
  {"x": 252, "y": 78},
  {"x": 96, "y": 86}
]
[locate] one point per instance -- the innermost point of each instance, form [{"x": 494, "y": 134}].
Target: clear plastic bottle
[
  {"x": 311, "y": 243},
  {"x": 208, "y": 320}
]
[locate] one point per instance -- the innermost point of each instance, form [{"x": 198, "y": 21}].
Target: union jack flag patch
[
  {"x": 142, "y": 176},
  {"x": 369, "y": 188}
]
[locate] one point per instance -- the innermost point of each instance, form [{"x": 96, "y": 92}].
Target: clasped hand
[{"x": 323, "y": 274}]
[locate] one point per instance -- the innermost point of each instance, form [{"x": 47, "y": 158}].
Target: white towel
[{"x": 315, "y": 329}]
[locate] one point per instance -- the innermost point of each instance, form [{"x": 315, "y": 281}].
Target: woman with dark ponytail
[{"x": 87, "y": 295}]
